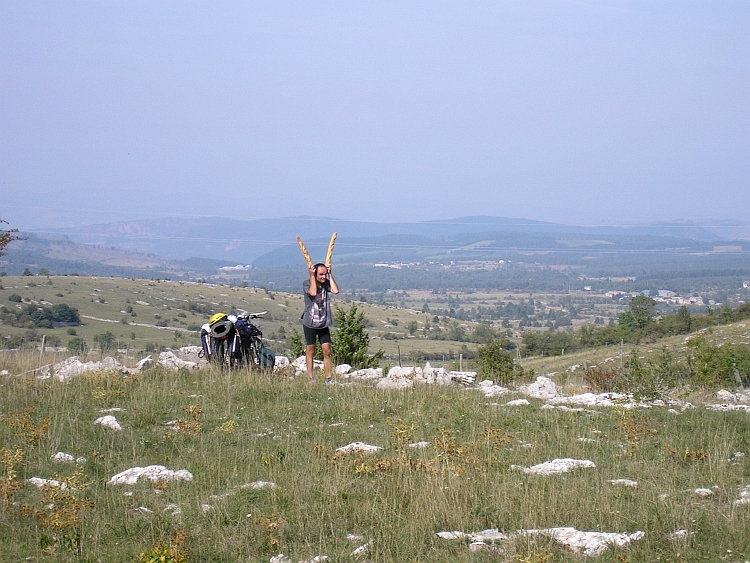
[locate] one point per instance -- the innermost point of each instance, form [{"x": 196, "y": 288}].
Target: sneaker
[{"x": 329, "y": 380}]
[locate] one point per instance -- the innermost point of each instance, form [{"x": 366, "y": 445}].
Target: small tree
[
  {"x": 7, "y": 236},
  {"x": 65, "y": 314},
  {"x": 77, "y": 345},
  {"x": 640, "y": 313},
  {"x": 350, "y": 341},
  {"x": 106, "y": 341},
  {"x": 495, "y": 362}
]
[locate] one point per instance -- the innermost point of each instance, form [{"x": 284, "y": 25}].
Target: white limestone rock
[
  {"x": 590, "y": 544},
  {"x": 728, "y": 397},
  {"x": 542, "y": 388},
  {"x": 435, "y": 376},
  {"x": 170, "y": 360},
  {"x": 62, "y": 457},
  {"x": 744, "y": 497},
  {"x": 192, "y": 354},
  {"x": 359, "y": 447},
  {"x": 364, "y": 374},
  {"x": 463, "y": 377},
  {"x": 152, "y": 473},
  {"x": 109, "y": 421},
  {"x": 624, "y": 482},
  {"x": 145, "y": 363},
  {"x": 280, "y": 362},
  {"x": 517, "y": 403},
  {"x": 39, "y": 483},
  {"x": 389, "y": 384},
  {"x": 407, "y": 372},
  {"x": 490, "y": 390},
  {"x": 558, "y": 466},
  {"x": 73, "y": 367},
  {"x": 300, "y": 366}
]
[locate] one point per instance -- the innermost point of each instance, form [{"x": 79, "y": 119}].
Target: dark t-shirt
[{"x": 317, "y": 309}]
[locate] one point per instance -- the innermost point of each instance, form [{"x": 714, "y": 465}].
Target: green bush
[
  {"x": 350, "y": 341},
  {"x": 719, "y": 366},
  {"x": 106, "y": 341},
  {"x": 496, "y": 363},
  {"x": 77, "y": 346}
]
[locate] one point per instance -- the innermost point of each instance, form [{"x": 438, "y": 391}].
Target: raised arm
[
  {"x": 334, "y": 285},
  {"x": 312, "y": 291}
]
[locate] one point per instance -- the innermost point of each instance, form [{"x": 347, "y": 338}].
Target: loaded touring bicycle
[{"x": 233, "y": 341}]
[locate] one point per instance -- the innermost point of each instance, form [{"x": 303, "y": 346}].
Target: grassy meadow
[
  {"x": 234, "y": 429},
  {"x": 145, "y": 315}
]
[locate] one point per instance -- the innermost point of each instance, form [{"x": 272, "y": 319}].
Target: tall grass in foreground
[{"x": 230, "y": 429}]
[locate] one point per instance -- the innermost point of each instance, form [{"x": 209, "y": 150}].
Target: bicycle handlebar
[{"x": 253, "y": 315}]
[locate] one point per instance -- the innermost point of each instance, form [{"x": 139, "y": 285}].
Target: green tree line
[{"x": 637, "y": 325}]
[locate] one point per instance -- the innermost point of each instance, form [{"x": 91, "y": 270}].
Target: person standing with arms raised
[{"x": 317, "y": 317}]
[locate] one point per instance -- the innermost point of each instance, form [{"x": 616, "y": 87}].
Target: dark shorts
[{"x": 323, "y": 334}]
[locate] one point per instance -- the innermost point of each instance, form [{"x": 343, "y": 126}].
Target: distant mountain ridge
[
  {"x": 245, "y": 241},
  {"x": 60, "y": 255}
]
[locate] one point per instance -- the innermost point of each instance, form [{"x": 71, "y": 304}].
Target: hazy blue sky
[{"x": 582, "y": 112}]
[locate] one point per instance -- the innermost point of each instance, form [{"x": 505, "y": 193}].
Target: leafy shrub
[
  {"x": 106, "y": 341},
  {"x": 44, "y": 317},
  {"x": 601, "y": 380},
  {"x": 713, "y": 366},
  {"x": 296, "y": 346},
  {"x": 199, "y": 308},
  {"x": 496, "y": 363},
  {"x": 350, "y": 341},
  {"x": 14, "y": 297},
  {"x": 77, "y": 345}
]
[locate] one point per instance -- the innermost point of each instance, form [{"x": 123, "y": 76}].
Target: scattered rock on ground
[
  {"x": 433, "y": 375},
  {"x": 744, "y": 496},
  {"x": 153, "y": 473},
  {"x": 73, "y": 367},
  {"x": 624, "y": 482},
  {"x": 280, "y": 362},
  {"x": 556, "y": 466},
  {"x": 300, "y": 366},
  {"x": 62, "y": 457},
  {"x": 465, "y": 377},
  {"x": 589, "y": 544},
  {"x": 490, "y": 389},
  {"x": 109, "y": 421},
  {"x": 39, "y": 482},
  {"x": 517, "y": 403},
  {"x": 364, "y": 373},
  {"x": 398, "y": 383},
  {"x": 729, "y": 407},
  {"x": 542, "y": 388},
  {"x": 728, "y": 397},
  {"x": 169, "y": 359},
  {"x": 192, "y": 354},
  {"x": 359, "y": 447},
  {"x": 398, "y": 372}
]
